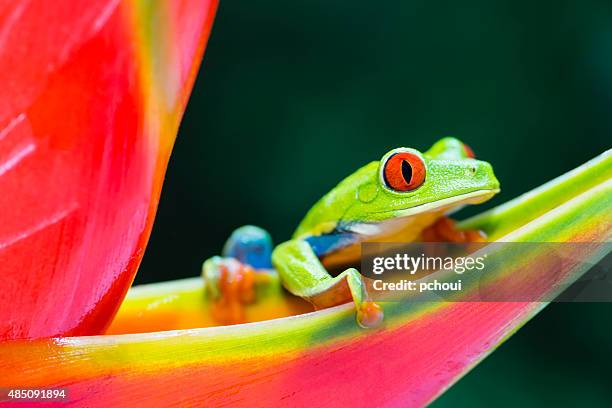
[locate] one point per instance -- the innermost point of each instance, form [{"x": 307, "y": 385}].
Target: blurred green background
[{"x": 293, "y": 96}]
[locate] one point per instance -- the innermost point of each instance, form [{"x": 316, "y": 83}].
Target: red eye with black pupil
[{"x": 404, "y": 171}]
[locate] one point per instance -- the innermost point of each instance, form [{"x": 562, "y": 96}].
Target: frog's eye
[
  {"x": 468, "y": 151},
  {"x": 404, "y": 171}
]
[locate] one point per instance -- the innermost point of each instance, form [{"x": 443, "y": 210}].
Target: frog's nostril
[{"x": 473, "y": 169}]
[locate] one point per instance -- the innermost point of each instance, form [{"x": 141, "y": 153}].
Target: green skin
[{"x": 364, "y": 205}]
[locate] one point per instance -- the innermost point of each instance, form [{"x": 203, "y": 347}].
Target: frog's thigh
[{"x": 250, "y": 245}]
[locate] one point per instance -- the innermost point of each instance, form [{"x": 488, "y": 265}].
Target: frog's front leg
[
  {"x": 302, "y": 274},
  {"x": 230, "y": 279}
]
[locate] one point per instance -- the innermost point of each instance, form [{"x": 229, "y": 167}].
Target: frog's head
[
  {"x": 408, "y": 182},
  {"x": 404, "y": 183}
]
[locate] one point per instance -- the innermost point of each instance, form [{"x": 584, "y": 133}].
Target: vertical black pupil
[{"x": 406, "y": 171}]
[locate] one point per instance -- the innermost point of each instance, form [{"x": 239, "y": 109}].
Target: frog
[{"x": 406, "y": 196}]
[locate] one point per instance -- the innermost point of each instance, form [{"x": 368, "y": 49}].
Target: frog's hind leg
[
  {"x": 302, "y": 274},
  {"x": 445, "y": 230},
  {"x": 230, "y": 280},
  {"x": 250, "y": 245}
]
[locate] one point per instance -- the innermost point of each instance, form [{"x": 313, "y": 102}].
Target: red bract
[{"x": 92, "y": 94}]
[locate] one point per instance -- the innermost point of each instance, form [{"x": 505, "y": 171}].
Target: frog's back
[{"x": 327, "y": 215}]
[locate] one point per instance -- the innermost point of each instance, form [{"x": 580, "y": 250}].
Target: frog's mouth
[
  {"x": 453, "y": 204},
  {"x": 406, "y": 218}
]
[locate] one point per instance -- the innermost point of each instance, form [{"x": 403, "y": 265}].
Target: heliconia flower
[
  {"x": 322, "y": 358},
  {"x": 91, "y": 98}
]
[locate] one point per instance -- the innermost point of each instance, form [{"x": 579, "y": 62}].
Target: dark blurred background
[{"x": 293, "y": 96}]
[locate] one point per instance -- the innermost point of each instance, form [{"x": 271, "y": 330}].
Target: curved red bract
[{"x": 88, "y": 116}]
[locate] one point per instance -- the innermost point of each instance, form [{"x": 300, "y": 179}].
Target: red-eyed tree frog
[{"x": 404, "y": 197}]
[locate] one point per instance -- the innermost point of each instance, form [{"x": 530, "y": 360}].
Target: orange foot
[
  {"x": 235, "y": 288},
  {"x": 444, "y": 230}
]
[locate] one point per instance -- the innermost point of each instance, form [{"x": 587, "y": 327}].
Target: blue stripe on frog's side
[
  {"x": 253, "y": 245},
  {"x": 325, "y": 244}
]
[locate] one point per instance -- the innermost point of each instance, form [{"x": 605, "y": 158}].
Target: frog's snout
[{"x": 482, "y": 173}]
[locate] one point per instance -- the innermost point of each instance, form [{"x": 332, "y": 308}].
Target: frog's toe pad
[{"x": 369, "y": 315}]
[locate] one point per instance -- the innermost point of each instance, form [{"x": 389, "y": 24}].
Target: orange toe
[{"x": 370, "y": 315}]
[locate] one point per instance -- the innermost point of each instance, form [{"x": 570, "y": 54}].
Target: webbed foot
[
  {"x": 231, "y": 285},
  {"x": 342, "y": 288},
  {"x": 231, "y": 280}
]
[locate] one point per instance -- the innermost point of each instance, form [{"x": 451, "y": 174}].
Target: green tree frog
[{"x": 404, "y": 197}]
